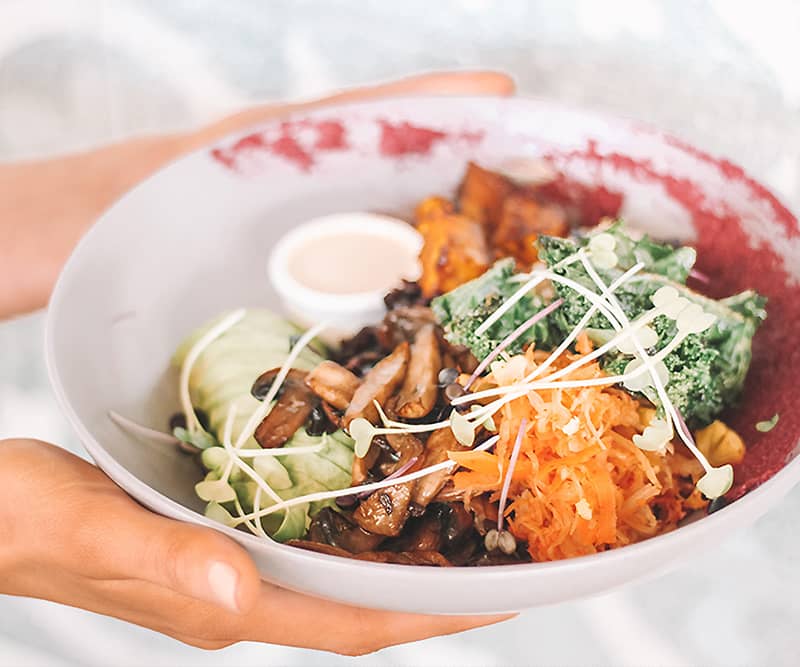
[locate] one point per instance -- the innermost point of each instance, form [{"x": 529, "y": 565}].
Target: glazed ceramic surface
[{"x": 193, "y": 240}]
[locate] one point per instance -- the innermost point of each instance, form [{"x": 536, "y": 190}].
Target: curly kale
[
  {"x": 463, "y": 310},
  {"x": 707, "y": 370}
]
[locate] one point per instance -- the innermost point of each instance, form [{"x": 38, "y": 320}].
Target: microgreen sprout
[
  {"x": 193, "y": 426},
  {"x": 363, "y": 488},
  {"x": 512, "y": 464},
  {"x": 767, "y": 425},
  {"x": 601, "y": 250},
  {"x": 462, "y": 428}
]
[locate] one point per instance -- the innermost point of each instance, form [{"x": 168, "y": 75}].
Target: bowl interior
[{"x": 193, "y": 241}]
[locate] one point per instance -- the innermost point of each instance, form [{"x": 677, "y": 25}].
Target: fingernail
[{"x": 223, "y": 580}]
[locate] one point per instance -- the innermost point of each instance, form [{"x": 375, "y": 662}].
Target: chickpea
[{"x": 720, "y": 444}]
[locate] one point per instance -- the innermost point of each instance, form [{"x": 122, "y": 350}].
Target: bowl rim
[{"x": 776, "y": 486}]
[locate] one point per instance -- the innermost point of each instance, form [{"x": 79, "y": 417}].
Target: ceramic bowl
[{"x": 193, "y": 240}]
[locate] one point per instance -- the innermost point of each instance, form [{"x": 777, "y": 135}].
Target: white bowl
[{"x": 193, "y": 241}]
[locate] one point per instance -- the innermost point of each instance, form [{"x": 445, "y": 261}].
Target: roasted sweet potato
[
  {"x": 481, "y": 195},
  {"x": 432, "y": 207},
  {"x": 521, "y": 221},
  {"x": 454, "y": 251}
]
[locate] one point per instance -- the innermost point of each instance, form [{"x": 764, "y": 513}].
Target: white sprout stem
[
  {"x": 578, "y": 363},
  {"x": 545, "y": 383},
  {"x": 366, "y": 488},
  {"x": 241, "y": 465},
  {"x": 192, "y": 423},
  {"x": 581, "y": 324},
  {"x": 512, "y": 464},
  {"x": 142, "y": 431},
  {"x": 537, "y": 277},
  {"x": 669, "y": 408},
  {"x": 291, "y": 451},
  {"x": 264, "y": 408},
  {"x": 509, "y": 303},
  {"x": 521, "y": 329}
]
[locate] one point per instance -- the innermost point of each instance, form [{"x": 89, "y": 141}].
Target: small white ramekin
[{"x": 345, "y": 313}]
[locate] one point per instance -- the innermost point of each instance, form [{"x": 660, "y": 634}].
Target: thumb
[
  {"x": 199, "y": 563},
  {"x": 190, "y": 560}
]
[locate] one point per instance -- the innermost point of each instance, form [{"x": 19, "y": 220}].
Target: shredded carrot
[{"x": 574, "y": 491}]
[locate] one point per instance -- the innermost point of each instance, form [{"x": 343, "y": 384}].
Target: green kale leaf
[
  {"x": 707, "y": 370},
  {"x": 464, "y": 309}
]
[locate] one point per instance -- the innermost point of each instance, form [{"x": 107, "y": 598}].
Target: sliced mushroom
[
  {"x": 403, "y": 323},
  {"x": 378, "y": 385},
  {"x": 291, "y": 410},
  {"x": 419, "y": 391},
  {"x": 439, "y": 443},
  {"x": 333, "y": 383},
  {"x": 331, "y": 527},
  {"x": 433, "y": 558},
  {"x": 334, "y": 416},
  {"x": 423, "y": 534},
  {"x": 385, "y": 512},
  {"x": 400, "y": 558},
  {"x": 363, "y": 464},
  {"x": 406, "y": 446}
]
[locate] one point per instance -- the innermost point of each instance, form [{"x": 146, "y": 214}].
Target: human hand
[
  {"x": 83, "y": 542},
  {"x": 46, "y": 206}
]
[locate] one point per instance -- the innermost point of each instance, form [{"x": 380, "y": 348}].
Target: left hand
[{"x": 46, "y": 206}]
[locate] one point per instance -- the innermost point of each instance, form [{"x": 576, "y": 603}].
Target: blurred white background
[{"x": 720, "y": 73}]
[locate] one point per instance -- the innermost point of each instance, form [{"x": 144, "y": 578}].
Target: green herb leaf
[{"x": 769, "y": 424}]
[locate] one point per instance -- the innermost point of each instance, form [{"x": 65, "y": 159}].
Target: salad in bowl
[{"x": 549, "y": 387}]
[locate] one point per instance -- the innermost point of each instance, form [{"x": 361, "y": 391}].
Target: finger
[
  {"x": 195, "y": 562},
  {"x": 433, "y": 83},
  {"x": 105, "y": 534},
  {"x": 345, "y": 629}
]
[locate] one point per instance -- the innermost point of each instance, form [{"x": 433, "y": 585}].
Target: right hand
[{"x": 70, "y": 535}]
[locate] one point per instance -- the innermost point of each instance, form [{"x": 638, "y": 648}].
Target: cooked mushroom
[
  {"x": 385, "y": 512},
  {"x": 406, "y": 558},
  {"x": 333, "y": 383},
  {"x": 403, "y": 323},
  {"x": 363, "y": 464},
  {"x": 400, "y": 558},
  {"x": 378, "y": 385},
  {"x": 423, "y": 534},
  {"x": 458, "y": 525},
  {"x": 406, "y": 446},
  {"x": 331, "y": 527},
  {"x": 439, "y": 443},
  {"x": 291, "y": 410},
  {"x": 419, "y": 391}
]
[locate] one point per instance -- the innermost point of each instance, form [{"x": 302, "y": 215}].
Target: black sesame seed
[{"x": 386, "y": 502}]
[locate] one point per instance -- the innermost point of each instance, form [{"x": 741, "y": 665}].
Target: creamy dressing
[{"x": 351, "y": 262}]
